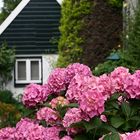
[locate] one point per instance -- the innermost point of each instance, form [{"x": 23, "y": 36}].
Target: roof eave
[{"x": 13, "y": 15}]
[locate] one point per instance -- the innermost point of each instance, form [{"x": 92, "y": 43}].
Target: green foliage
[
  {"x": 130, "y": 55},
  {"x": 116, "y": 3},
  {"x": 11, "y": 110},
  {"x": 112, "y": 136},
  {"x": 7, "y": 60},
  {"x": 72, "y": 21},
  {"x": 6, "y": 96},
  {"x": 121, "y": 117},
  {"x": 9, "y": 6},
  {"x": 9, "y": 115},
  {"x": 110, "y": 65},
  {"x": 132, "y": 39}
]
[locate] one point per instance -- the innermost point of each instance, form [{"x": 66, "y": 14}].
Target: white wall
[{"x": 48, "y": 62}]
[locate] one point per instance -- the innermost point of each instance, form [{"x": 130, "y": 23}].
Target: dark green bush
[
  {"x": 109, "y": 65},
  {"x": 116, "y": 3},
  {"x": 72, "y": 22},
  {"x": 7, "y": 61},
  {"x": 87, "y": 35},
  {"x": 11, "y": 110},
  {"x": 6, "y": 96}
]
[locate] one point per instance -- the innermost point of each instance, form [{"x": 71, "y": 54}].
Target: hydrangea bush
[{"x": 76, "y": 105}]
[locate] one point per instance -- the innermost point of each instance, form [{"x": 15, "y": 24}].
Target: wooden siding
[{"x": 33, "y": 30}]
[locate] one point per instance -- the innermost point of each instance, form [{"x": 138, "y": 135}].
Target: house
[{"x": 33, "y": 30}]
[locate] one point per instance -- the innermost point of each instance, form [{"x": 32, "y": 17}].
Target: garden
[{"x": 86, "y": 97}]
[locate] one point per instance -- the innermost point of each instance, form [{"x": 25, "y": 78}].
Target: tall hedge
[
  {"x": 72, "y": 22},
  {"x": 90, "y": 29}
]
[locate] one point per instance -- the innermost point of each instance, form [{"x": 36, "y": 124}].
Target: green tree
[
  {"x": 7, "y": 60},
  {"x": 87, "y": 35},
  {"x": 132, "y": 40},
  {"x": 8, "y": 7},
  {"x": 72, "y": 21}
]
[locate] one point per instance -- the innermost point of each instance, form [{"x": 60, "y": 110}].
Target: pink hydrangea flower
[
  {"x": 30, "y": 130},
  {"x": 72, "y": 131},
  {"x": 7, "y": 133},
  {"x": 27, "y": 129},
  {"x": 105, "y": 86},
  {"x": 66, "y": 138},
  {"x": 32, "y": 95},
  {"x": 92, "y": 103},
  {"x": 132, "y": 136},
  {"x": 77, "y": 68},
  {"x": 103, "y": 118},
  {"x": 128, "y": 136},
  {"x": 118, "y": 77},
  {"x": 52, "y": 133},
  {"x": 59, "y": 101},
  {"x": 132, "y": 85},
  {"x": 56, "y": 80},
  {"x": 73, "y": 115},
  {"x": 79, "y": 86},
  {"x": 49, "y": 115}
]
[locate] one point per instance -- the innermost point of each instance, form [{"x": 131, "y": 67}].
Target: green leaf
[
  {"x": 112, "y": 136},
  {"x": 81, "y": 137},
  {"x": 115, "y": 96},
  {"x": 117, "y": 121},
  {"x": 135, "y": 118},
  {"x": 94, "y": 123},
  {"x": 108, "y": 128},
  {"x": 73, "y": 105},
  {"x": 126, "y": 109},
  {"x": 115, "y": 105}
]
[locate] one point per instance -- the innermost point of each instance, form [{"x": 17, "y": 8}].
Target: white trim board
[{"x": 13, "y": 15}]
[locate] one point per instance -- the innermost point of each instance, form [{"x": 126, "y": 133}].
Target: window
[{"x": 28, "y": 71}]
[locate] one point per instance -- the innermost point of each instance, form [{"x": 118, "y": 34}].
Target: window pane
[
  {"x": 21, "y": 70},
  {"x": 34, "y": 70}
]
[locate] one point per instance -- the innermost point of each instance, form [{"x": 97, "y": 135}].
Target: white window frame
[{"x": 28, "y": 71}]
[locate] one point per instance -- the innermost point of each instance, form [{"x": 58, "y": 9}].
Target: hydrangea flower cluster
[
  {"x": 92, "y": 103},
  {"x": 105, "y": 86},
  {"x": 49, "y": 115},
  {"x": 72, "y": 116},
  {"x": 79, "y": 87},
  {"x": 128, "y": 136},
  {"x": 32, "y": 95},
  {"x": 27, "y": 129},
  {"x": 132, "y": 85},
  {"x": 56, "y": 81},
  {"x": 75, "y": 68},
  {"x": 131, "y": 136},
  {"x": 59, "y": 101},
  {"x": 66, "y": 138},
  {"x": 7, "y": 133},
  {"x": 118, "y": 77}
]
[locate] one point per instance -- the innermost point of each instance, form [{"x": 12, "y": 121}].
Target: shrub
[
  {"x": 109, "y": 65},
  {"x": 81, "y": 106},
  {"x": 11, "y": 110},
  {"x": 6, "y": 96},
  {"x": 7, "y": 60},
  {"x": 72, "y": 22},
  {"x": 9, "y": 115},
  {"x": 87, "y": 35}
]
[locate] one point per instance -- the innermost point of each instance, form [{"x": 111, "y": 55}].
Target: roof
[{"x": 33, "y": 27}]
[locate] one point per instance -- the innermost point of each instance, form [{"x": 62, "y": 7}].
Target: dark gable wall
[{"x": 35, "y": 29}]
